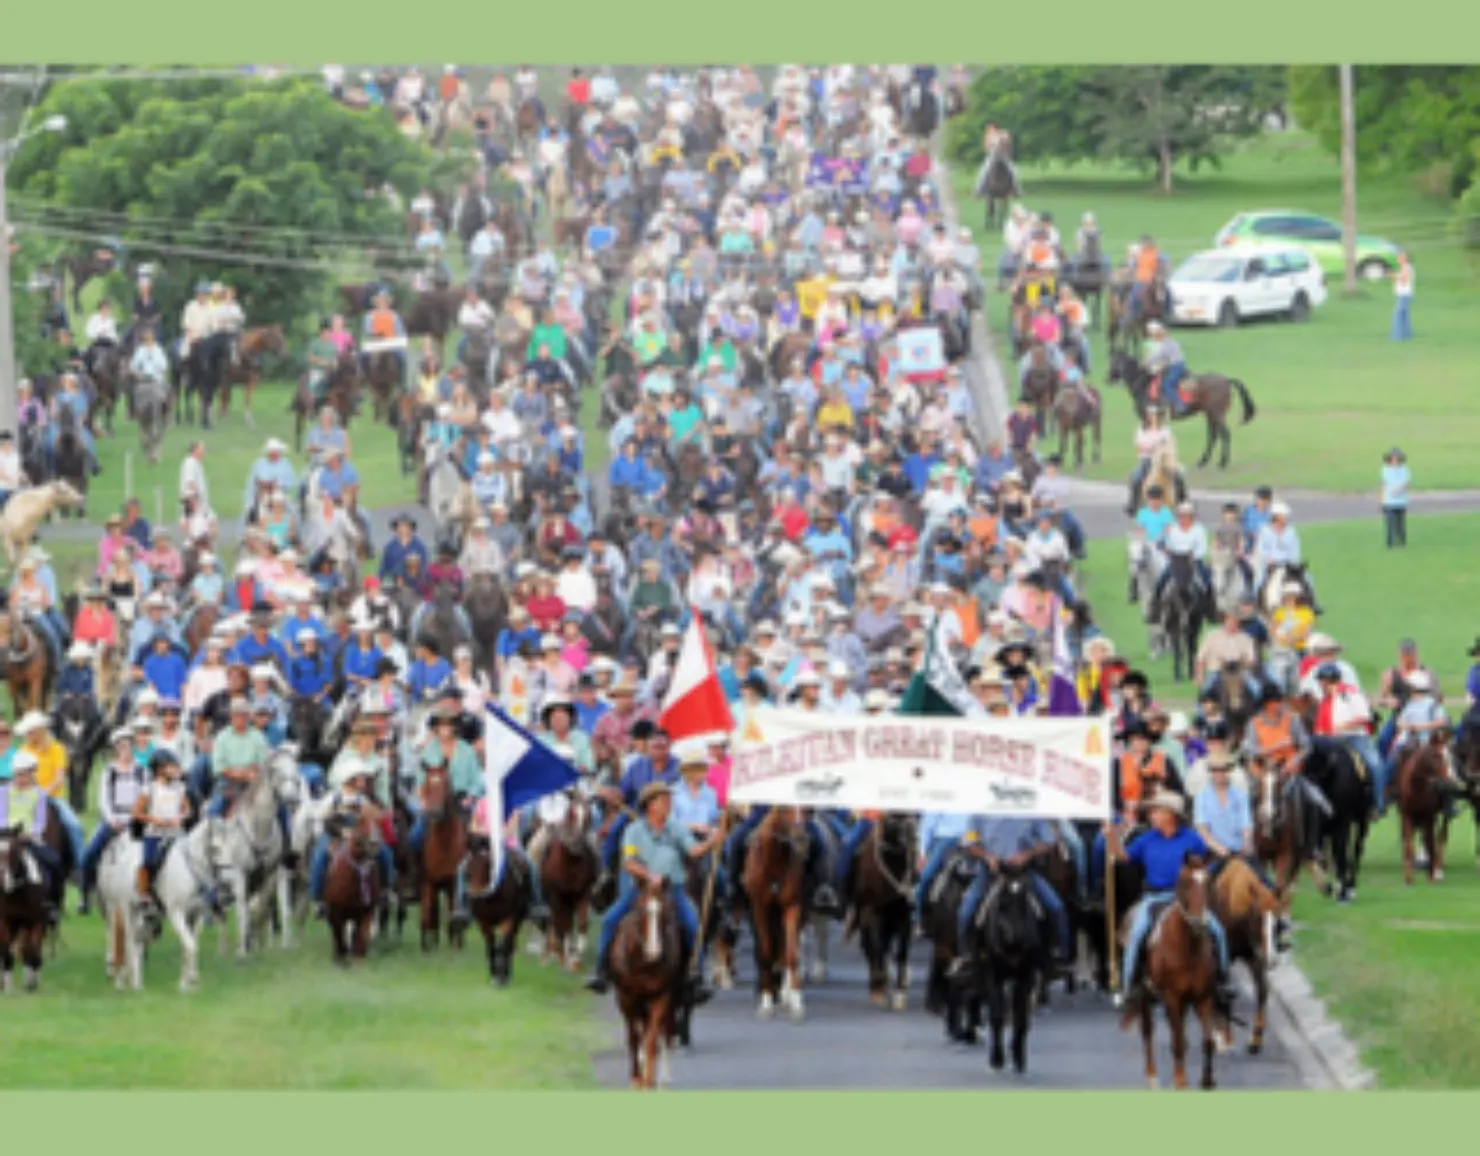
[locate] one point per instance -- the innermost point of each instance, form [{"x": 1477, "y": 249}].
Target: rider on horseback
[
  {"x": 101, "y": 333},
  {"x": 1278, "y": 544},
  {"x": 383, "y": 323},
  {"x": 24, "y": 807},
  {"x": 1276, "y": 734},
  {"x": 1149, "y": 266},
  {"x": 1150, "y": 440},
  {"x": 1164, "y": 359},
  {"x": 1189, "y": 538},
  {"x": 119, "y": 790}
]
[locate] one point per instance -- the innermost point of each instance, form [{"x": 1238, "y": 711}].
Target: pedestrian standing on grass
[
  {"x": 1403, "y": 303},
  {"x": 1395, "y": 482}
]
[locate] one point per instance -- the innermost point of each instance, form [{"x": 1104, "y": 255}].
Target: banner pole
[
  {"x": 717, "y": 853},
  {"x": 1112, "y": 949}
]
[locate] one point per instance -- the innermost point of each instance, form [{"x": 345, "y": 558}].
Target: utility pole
[
  {"x": 1349, "y": 177},
  {"x": 7, "y": 321}
]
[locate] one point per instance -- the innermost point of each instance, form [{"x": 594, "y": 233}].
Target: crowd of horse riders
[{"x": 787, "y": 466}]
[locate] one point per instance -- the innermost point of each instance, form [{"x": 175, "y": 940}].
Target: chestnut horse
[
  {"x": 251, "y": 347},
  {"x": 1420, "y": 788},
  {"x": 647, "y": 972},
  {"x": 1279, "y": 827},
  {"x": 774, "y": 883},
  {"x": 884, "y": 905},
  {"x": 26, "y": 662},
  {"x": 442, "y": 849},
  {"x": 1246, "y": 909},
  {"x": 569, "y": 866},
  {"x": 352, "y": 887},
  {"x": 1182, "y": 968}
]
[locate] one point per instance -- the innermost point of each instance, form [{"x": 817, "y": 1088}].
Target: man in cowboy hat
[
  {"x": 656, "y": 847},
  {"x": 239, "y": 754},
  {"x": 1222, "y": 816},
  {"x": 23, "y": 807},
  {"x": 1160, "y": 853},
  {"x": 1279, "y": 545},
  {"x": 342, "y": 808},
  {"x": 1320, "y": 649},
  {"x": 260, "y": 646},
  {"x": 1164, "y": 356},
  {"x": 404, "y": 545},
  {"x": 1185, "y": 538}
]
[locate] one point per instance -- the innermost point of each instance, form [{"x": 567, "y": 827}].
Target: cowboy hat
[
  {"x": 1323, "y": 644},
  {"x": 693, "y": 755},
  {"x": 651, "y": 792},
  {"x": 24, "y": 763},
  {"x": 1419, "y": 680},
  {"x": 274, "y": 446},
  {"x": 31, "y": 721},
  {"x": 1165, "y": 801},
  {"x": 1291, "y": 590},
  {"x": 1135, "y": 729}
]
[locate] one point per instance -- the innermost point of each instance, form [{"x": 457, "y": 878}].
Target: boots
[{"x": 601, "y": 978}]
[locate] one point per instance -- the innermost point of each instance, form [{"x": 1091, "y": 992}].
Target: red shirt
[
  {"x": 793, "y": 521},
  {"x": 547, "y": 611},
  {"x": 578, "y": 91},
  {"x": 95, "y": 624}
]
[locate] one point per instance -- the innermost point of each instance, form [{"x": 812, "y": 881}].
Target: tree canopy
[
  {"x": 264, "y": 185},
  {"x": 1151, "y": 116}
]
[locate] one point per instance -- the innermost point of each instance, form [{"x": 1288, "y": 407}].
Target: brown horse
[
  {"x": 352, "y": 887},
  {"x": 773, "y": 881},
  {"x": 568, "y": 864},
  {"x": 1209, "y": 394},
  {"x": 1246, "y": 910},
  {"x": 647, "y": 971},
  {"x": 251, "y": 347},
  {"x": 1182, "y": 967},
  {"x": 22, "y": 912},
  {"x": 884, "y": 905},
  {"x": 499, "y": 908},
  {"x": 26, "y": 663},
  {"x": 1420, "y": 793},
  {"x": 1075, "y": 410},
  {"x": 202, "y": 622},
  {"x": 1040, "y": 386},
  {"x": 434, "y": 314},
  {"x": 341, "y": 391},
  {"x": 383, "y": 375},
  {"x": 1279, "y": 827},
  {"x": 442, "y": 849}
]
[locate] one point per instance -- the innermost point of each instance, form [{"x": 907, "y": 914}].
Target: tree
[
  {"x": 1151, "y": 116},
  {"x": 263, "y": 185}
]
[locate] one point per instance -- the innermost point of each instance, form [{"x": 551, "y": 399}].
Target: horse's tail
[{"x": 1243, "y": 394}]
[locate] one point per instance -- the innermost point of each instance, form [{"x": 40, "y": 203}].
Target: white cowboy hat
[
  {"x": 1177, "y": 724},
  {"x": 838, "y": 669},
  {"x": 1322, "y": 643},
  {"x": 1291, "y": 588},
  {"x": 805, "y": 679},
  {"x": 1186, "y": 508},
  {"x": 34, "y": 720},
  {"x": 1167, "y": 800},
  {"x": 274, "y": 446},
  {"x": 306, "y": 635},
  {"x": 1279, "y": 510},
  {"x": 79, "y": 650},
  {"x": 24, "y": 763},
  {"x": 1419, "y": 680}
]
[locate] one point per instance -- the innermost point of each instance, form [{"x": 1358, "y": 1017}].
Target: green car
[{"x": 1376, "y": 258}]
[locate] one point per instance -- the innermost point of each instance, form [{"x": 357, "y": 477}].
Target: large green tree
[
  {"x": 1152, "y": 117},
  {"x": 264, "y": 185}
]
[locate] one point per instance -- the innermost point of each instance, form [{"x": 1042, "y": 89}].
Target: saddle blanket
[{"x": 383, "y": 345}]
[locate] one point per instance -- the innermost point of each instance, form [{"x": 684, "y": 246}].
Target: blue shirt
[
  {"x": 943, "y": 826},
  {"x": 309, "y": 677},
  {"x": 1160, "y": 857},
  {"x": 690, "y": 809},
  {"x": 289, "y": 633},
  {"x": 641, "y": 772},
  {"x": 1154, "y": 522},
  {"x": 1226, "y": 821},
  {"x": 361, "y": 663},
  {"x": 251, "y": 652},
  {"x": 393, "y": 561},
  {"x": 1003, "y": 838},
  {"x": 425, "y": 677},
  {"x": 1395, "y": 481},
  {"x": 333, "y": 483},
  {"x": 588, "y": 715}
]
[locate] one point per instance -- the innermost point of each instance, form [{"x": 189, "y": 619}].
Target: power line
[{"x": 267, "y": 73}]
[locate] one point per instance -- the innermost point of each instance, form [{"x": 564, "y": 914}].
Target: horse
[
  {"x": 961, "y": 1011},
  {"x": 152, "y": 412},
  {"x": 122, "y": 911},
  {"x": 450, "y": 498},
  {"x": 251, "y": 347},
  {"x": 341, "y": 391},
  {"x": 647, "y": 972},
  {"x": 1146, "y": 563},
  {"x": 1229, "y": 585},
  {"x": 383, "y": 375},
  {"x": 27, "y": 663},
  {"x": 1075, "y": 410},
  {"x": 568, "y": 869},
  {"x": 352, "y": 887},
  {"x": 884, "y": 902},
  {"x": 205, "y": 369},
  {"x": 434, "y": 314},
  {"x": 1008, "y": 950},
  {"x": 256, "y": 851},
  {"x": 773, "y": 881},
  {"x": 1088, "y": 274},
  {"x": 1235, "y": 703},
  {"x": 1276, "y": 578},
  {"x": 442, "y": 850},
  {"x": 1182, "y": 967},
  {"x": 1420, "y": 790},
  {"x": 81, "y": 727},
  {"x": 1279, "y": 826},
  {"x": 22, "y": 911},
  {"x": 487, "y": 606},
  {"x": 1246, "y": 910},
  {"x": 996, "y": 183},
  {"x": 498, "y": 906},
  {"x": 1183, "y": 613},
  {"x": 1165, "y": 472},
  {"x": 1209, "y": 394},
  {"x": 28, "y": 508},
  {"x": 1040, "y": 384},
  {"x": 1342, "y": 777}
]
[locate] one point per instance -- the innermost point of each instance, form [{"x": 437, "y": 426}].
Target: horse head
[
  {"x": 1192, "y": 892},
  {"x": 654, "y": 902},
  {"x": 1012, "y": 927},
  {"x": 436, "y": 793},
  {"x": 63, "y": 494}
]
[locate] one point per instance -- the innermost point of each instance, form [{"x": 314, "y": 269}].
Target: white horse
[
  {"x": 1145, "y": 564},
  {"x": 255, "y": 850},
  {"x": 1229, "y": 584},
  {"x": 122, "y": 910}
]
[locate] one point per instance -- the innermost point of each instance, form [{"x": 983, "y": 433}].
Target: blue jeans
[
  {"x": 1362, "y": 745},
  {"x": 88, "y": 864},
  {"x": 154, "y": 846},
  {"x": 1075, "y": 843},
  {"x": 852, "y": 841},
  {"x": 1073, "y": 530},
  {"x": 935, "y": 861},
  {"x": 1170, "y": 378},
  {"x": 1141, "y": 925},
  {"x": 1047, "y": 896},
  {"x": 313, "y": 776},
  {"x": 1403, "y": 319},
  {"x": 688, "y": 918},
  {"x": 736, "y": 838},
  {"x": 76, "y": 838},
  {"x": 197, "y": 779},
  {"x": 318, "y": 868},
  {"x": 613, "y": 841}
]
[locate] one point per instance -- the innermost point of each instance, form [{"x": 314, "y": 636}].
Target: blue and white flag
[
  {"x": 921, "y": 352},
  {"x": 518, "y": 769}
]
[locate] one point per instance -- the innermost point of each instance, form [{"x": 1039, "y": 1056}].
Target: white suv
[{"x": 1223, "y": 286}]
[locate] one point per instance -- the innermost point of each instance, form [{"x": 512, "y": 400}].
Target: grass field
[
  {"x": 1332, "y": 395},
  {"x": 1373, "y": 597}
]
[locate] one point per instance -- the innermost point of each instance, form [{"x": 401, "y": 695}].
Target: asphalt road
[{"x": 845, "y": 1043}]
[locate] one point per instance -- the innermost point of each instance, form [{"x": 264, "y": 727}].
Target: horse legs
[
  {"x": 1205, "y": 1018},
  {"x": 765, "y": 956},
  {"x": 1207, "y": 453},
  {"x": 428, "y": 911},
  {"x": 1433, "y": 844},
  {"x": 791, "y": 921},
  {"x": 1148, "y": 1042},
  {"x": 189, "y": 948},
  {"x": 285, "y": 906},
  {"x": 873, "y": 952},
  {"x": 901, "y": 996},
  {"x": 1260, "y": 974},
  {"x": 634, "y": 1049},
  {"x": 1096, "y": 428},
  {"x": 1177, "y": 1021},
  {"x": 997, "y": 1020},
  {"x": 1406, "y": 837},
  {"x": 1022, "y": 1017}
]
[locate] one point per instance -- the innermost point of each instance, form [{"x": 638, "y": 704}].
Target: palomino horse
[
  {"x": 443, "y": 848},
  {"x": 1166, "y": 473},
  {"x": 774, "y": 883},
  {"x": 1421, "y": 789},
  {"x": 568, "y": 864},
  {"x": 647, "y": 972},
  {"x": 22, "y": 911},
  {"x": 499, "y": 906},
  {"x": 26, "y": 662},
  {"x": 1182, "y": 967},
  {"x": 1246, "y": 910},
  {"x": 1209, "y": 394},
  {"x": 352, "y": 886},
  {"x": 1075, "y": 410},
  {"x": 27, "y": 509},
  {"x": 884, "y": 904}
]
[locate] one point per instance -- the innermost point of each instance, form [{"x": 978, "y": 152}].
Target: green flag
[{"x": 938, "y": 688}]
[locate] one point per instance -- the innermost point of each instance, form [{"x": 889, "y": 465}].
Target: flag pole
[
  {"x": 1112, "y": 949},
  {"x": 724, "y": 830}
]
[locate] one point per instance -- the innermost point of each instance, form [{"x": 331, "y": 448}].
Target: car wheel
[
  {"x": 1373, "y": 269},
  {"x": 1300, "y": 309},
  {"x": 1228, "y": 315}
]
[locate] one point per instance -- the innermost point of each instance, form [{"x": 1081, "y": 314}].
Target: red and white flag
[{"x": 695, "y": 705}]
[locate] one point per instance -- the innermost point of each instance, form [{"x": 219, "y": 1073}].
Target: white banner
[
  {"x": 383, "y": 345},
  {"x": 1051, "y": 768}
]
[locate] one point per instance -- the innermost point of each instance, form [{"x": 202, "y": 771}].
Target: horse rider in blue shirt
[
  {"x": 404, "y": 544},
  {"x": 993, "y": 841},
  {"x": 655, "y": 847},
  {"x": 659, "y": 765},
  {"x": 303, "y": 619},
  {"x": 1161, "y": 853},
  {"x": 260, "y": 646},
  {"x": 427, "y": 673},
  {"x": 311, "y": 670},
  {"x": 940, "y": 834}
]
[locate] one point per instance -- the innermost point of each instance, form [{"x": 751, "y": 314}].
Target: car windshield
[{"x": 1210, "y": 268}]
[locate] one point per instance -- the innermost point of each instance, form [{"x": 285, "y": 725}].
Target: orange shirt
[
  {"x": 383, "y": 323},
  {"x": 1273, "y": 737},
  {"x": 1147, "y": 263},
  {"x": 1133, "y": 776}
]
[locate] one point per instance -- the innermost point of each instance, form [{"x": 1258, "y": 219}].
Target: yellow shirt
[
  {"x": 811, "y": 295},
  {"x": 834, "y": 413},
  {"x": 51, "y": 767},
  {"x": 1292, "y": 627}
]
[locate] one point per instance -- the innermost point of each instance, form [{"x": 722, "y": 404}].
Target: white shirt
[
  {"x": 576, "y": 588},
  {"x": 475, "y": 314},
  {"x": 101, "y": 328},
  {"x": 196, "y": 321},
  {"x": 10, "y": 468},
  {"x": 192, "y": 473},
  {"x": 502, "y": 424},
  {"x": 1052, "y": 548},
  {"x": 1193, "y": 540},
  {"x": 1403, "y": 282}
]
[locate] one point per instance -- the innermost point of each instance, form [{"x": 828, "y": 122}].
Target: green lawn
[
  {"x": 1333, "y": 395},
  {"x": 1373, "y": 597},
  {"x": 291, "y": 1020}
]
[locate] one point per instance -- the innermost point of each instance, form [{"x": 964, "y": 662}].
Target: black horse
[
  {"x": 1009, "y": 952},
  {"x": 80, "y": 726},
  {"x": 1182, "y": 613},
  {"x": 1335, "y": 769},
  {"x": 204, "y": 371}
]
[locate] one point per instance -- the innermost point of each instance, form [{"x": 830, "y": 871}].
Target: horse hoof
[
  {"x": 1255, "y": 1047},
  {"x": 878, "y": 999},
  {"x": 765, "y": 1011},
  {"x": 1153, "y": 1084},
  {"x": 900, "y": 1001},
  {"x": 1437, "y": 877}
]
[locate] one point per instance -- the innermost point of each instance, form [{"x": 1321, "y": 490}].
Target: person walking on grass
[
  {"x": 1395, "y": 482},
  {"x": 1403, "y": 299}
]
